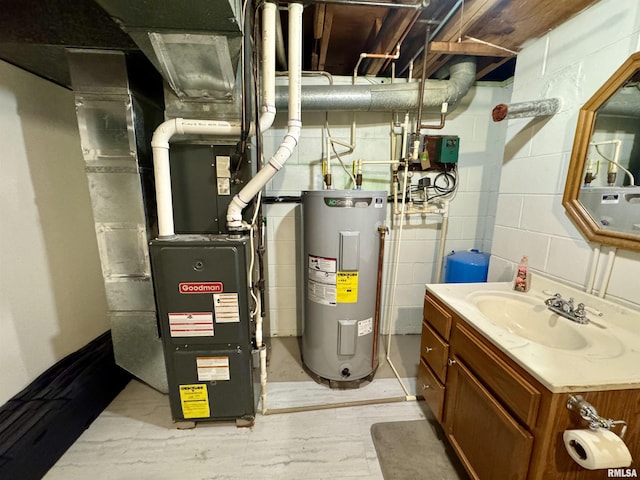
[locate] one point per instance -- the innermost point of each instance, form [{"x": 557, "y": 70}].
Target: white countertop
[{"x": 611, "y": 361}]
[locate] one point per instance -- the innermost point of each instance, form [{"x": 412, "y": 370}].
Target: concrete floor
[
  {"x": 134, "y": 438},
  {"x": 285, "y": 365}
]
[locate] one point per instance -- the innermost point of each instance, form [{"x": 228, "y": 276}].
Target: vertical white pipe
[
  {"x": 607, "y": 273},
  {"x": 390, "y": 314},
  {"x": 269, "y": 12},
  {"x": 290, "y": 141},
  {"x": 595, "y": 258},
  {"x": 443, "y": 238},
  {"x": 283, "y": 153}
]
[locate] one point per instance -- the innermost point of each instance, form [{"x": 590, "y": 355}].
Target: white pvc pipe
[
  {"x": 161, "y": 169},
  {"x": 268, "y": 114},
  {"x": 607, "y": 273},
  {"x": 595, "y": 257},
  {"x": 391, "y": 315},
  {"x": 443, "y": 238},
  {"x": 164, "y": 133},
  {"x": 276, "y": 162},
  {"x": 614, "y": 164}
]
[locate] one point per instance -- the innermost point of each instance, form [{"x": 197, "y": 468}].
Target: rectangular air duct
[{"x": 196, "y": 48}]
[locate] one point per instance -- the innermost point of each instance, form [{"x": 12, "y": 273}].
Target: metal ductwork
[
  {"x": 388, "y": 97},
  {"x": 196, "y": 47},
  {"x": 115, "y": 119}
]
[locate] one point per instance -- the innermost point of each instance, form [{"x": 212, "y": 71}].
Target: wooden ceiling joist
[
  {"x": 395, "y": 27},
  {"x": 468, "y": 48},
  {"x": 326, "y": 35}
]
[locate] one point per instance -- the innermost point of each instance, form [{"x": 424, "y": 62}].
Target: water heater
[{"x": 341, "y": 250}]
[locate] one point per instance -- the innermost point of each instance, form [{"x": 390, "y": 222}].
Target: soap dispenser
[{"x": 522, "y": 282}]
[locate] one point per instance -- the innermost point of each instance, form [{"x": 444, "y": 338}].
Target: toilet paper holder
[{"x": 588, "y": 412}]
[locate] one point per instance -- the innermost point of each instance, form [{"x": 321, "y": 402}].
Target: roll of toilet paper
[{"x": 594, "y": 449}]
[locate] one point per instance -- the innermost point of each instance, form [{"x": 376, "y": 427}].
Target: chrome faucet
[{"x": 567, "y": 309}]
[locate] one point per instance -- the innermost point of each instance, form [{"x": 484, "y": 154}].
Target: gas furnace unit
[{"x": 203, "y": 307}]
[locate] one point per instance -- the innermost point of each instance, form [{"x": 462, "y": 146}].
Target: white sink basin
[{"x": 528, "y": 317}]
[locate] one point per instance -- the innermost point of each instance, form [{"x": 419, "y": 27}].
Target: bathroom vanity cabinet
[{"x": 500, "y": 420}]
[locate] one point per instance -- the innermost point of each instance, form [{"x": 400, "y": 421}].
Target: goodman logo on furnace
[{"x": 200, "y": 287}]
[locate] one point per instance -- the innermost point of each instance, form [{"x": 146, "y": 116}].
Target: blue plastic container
[{"x": 467, "y": 266}]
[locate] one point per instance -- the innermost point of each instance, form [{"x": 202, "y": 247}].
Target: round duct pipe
[{"x": 388, "y": 96}]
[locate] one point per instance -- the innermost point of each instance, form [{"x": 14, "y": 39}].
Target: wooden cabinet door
[{"x": 490, "y": 443}]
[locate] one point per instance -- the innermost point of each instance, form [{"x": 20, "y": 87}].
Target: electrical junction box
[{"x": 442, "y": 149}]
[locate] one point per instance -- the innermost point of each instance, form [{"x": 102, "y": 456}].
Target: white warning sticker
[
  {"x": 224, "y": 186},
  {"x": 193, "y": 324},
  {"x": 365, "y": 326},
  {"x": 212, "y": 368},
  {"x": 322, "y": 264},
  {"x": 321, "y": 283},
  {"x": 322, "y": 293},
  {"x": 226, "y": 307}
]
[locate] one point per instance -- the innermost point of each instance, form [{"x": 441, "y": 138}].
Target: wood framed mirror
[{"x": 602, "y": 191}]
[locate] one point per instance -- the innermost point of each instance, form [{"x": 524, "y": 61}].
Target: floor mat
[{"x": 411, "y": 450}]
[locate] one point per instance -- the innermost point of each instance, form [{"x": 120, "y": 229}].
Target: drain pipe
[
  {"x": 181, "y": 126},
  {"x": 268, "y": 113},
  {"x": 277, "y": 161}
]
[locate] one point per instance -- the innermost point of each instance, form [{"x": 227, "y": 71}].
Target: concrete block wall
[
  {"x": 471, "y": 216},
  {"x": 570, "y": 62}
]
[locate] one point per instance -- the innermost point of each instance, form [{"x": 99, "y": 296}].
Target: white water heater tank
[{"x": 341, "y": 250}]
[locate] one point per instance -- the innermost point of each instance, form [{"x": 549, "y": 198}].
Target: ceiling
[
  {"x": 492, "y": 30},
  {"x": 35, "y": 33}
]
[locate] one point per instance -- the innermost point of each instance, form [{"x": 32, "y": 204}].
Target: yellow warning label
[
  {"x": 195, "y": 401},
  {"x": 347, "y": 287}
]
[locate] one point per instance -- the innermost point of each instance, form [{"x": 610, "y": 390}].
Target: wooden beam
[
  {"x": 326, "y": 35},
  {"x": 490, "y": 67},
  {"x": 373, "y": 34},
  {"x": 318, "y": 20},
  {"x": 460, "y": 24},
  {"x": 396, "y": 25},
  {"x": 468, "y": 48}
]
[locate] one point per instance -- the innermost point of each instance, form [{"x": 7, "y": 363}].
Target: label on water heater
[
  {"x": 321, "y": 283},
  {"x": 365, "y": 327},
  {"x": 347, "y": 287}
]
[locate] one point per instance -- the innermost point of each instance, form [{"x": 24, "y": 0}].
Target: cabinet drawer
[
  {"x": 437, "y": 317},
  {"x": 431, "y": 389},
  {"x": 434, "y": 351},
  {"x": 518, "y": 395}
]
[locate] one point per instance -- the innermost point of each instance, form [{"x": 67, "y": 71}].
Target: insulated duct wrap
[{"x": 388, "y": 97}]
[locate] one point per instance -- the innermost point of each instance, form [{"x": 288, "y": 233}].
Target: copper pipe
[
  {"x": 422, "y": 79},
  {"x": 382, "y": 230}
]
